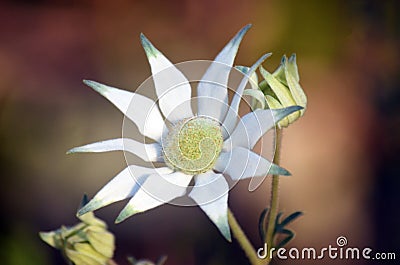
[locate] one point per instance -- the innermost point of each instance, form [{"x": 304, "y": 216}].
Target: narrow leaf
[
  {"x": 261, "y": 224},
  {"x": 291, "y": 218}
]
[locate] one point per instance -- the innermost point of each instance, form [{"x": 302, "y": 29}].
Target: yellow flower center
[{"x": 192, "y": 146}]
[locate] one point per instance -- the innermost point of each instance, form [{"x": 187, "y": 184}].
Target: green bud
[
  {"x": 90, "y": 219},
  {"x": 86, "y": 243},
  {"x": 101, "y": 240},
  {"x": 281, "y": 89},
  {"x": 79, "y": 258},
  {"x": 52, "y": 238}
]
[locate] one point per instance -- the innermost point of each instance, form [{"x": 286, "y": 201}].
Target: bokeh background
[{"x": 344, "y": 153}]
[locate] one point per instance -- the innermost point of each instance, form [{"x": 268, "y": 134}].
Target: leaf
[
  {"x": 290, "y": 235},
  {"x": 261, "y": 224},
  {"x": 84, "y": 201},
  {"x": 277, "y": 222},
  {"x": 280, "y": 227},
  {"x": 291, "y": 218}
]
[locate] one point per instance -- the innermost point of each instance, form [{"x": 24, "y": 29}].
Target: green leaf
[
  {"x": 277, "y": 222},
  {"x": 84, "y": 201},
  {"x": 291, "y": 218},
  {"x": 280, "y": 227},
  {"x": 261, "y": 224},
  {"x": 290, "y": 235}
]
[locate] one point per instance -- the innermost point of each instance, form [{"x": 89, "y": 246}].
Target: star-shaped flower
[{"x": 205, "y": 146}]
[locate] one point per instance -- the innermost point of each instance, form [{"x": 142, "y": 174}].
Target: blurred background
[{"x": 343, "y": 153}]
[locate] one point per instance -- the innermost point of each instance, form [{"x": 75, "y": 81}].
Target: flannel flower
[{"x": 204, "y": 146}]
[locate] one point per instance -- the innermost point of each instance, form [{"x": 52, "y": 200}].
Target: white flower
[{"x": 204, "y": 146}]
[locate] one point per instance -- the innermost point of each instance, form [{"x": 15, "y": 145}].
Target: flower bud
[
  {"x": 88, "y": 242},
  {"x": 282, "y": 89}
]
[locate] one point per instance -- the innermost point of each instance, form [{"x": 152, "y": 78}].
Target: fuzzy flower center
[{"x": 193, "y": 145}]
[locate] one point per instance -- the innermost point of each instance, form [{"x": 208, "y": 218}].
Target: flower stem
[
  {"x": 242, "y": 239},
  {"x": 273, "y": 209}
]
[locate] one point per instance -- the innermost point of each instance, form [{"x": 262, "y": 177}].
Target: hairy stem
[
  {"x": 242, "y": 239},
  {"x": 274, "y": 201}
]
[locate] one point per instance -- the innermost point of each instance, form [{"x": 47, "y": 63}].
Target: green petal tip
[
  {"x": 279, "y": 114},
  {"x": 257, "y": 64},
  {"x": 284, "y": 59},
  {"x": 227, "y": 234},
  {"x": 292, "y": 58},
  {"x": 95, "y": 86},
  {"x": 71, "y": 151},
  {"x": 277, "y": 170},
  {"x": 148, "y": 47},
  {"x": 241, "y": 32},
  {"x": 127, "y": 212},
  {"x": 89, "y": 207}
]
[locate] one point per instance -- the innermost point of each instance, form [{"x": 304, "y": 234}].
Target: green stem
[
  {"x": 242, "y": 239},
  {"x": 273, "y": 209}
]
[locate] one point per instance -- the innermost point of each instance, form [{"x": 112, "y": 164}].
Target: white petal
[
  {"x": 211, "y": 194},
  {"x": 258, "y": 100},
  {"x": 121, "y": 187},
  {"x": 231, "y": 116},
  {"x": 273, "y": 103},
  {"x": 241, "y": 163},
  {"x": 147, "y": 152},
  {"x": 254, "y": 125},
  {"x": 172, "y": 87},
  {"x": 156, "y": 190},
  {"x": 212, "y": 89},
  {"x": 140, "y": 109},
  {"x": 253, "y": 78}
]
